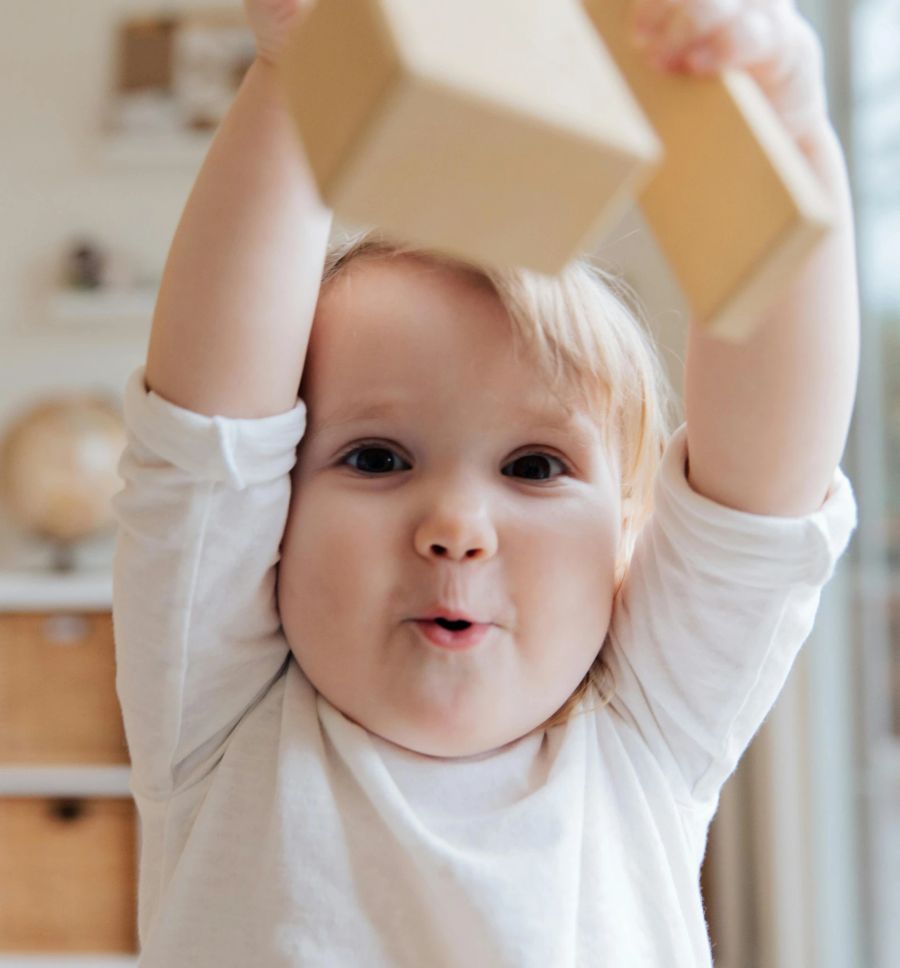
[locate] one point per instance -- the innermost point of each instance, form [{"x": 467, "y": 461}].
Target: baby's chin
[
  {"x": 433, "y": 742},
  {"x": 420, "y": 717}
]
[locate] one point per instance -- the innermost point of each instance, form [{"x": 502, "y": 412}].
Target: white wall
[{"x": 58, "y": 64}]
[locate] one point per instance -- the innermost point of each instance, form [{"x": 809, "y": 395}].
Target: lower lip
[{"x": 446, "y": 639}]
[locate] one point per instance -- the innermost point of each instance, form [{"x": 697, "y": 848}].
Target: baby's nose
[
  {"x": 439, "y": 551},
  {"x": 456, "y": 535}
]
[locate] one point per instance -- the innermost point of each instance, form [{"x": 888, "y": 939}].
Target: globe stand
[{"x": 64, "y": 556}]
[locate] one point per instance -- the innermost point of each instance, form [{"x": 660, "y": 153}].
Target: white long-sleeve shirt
[{"x": 277, "y": 832}]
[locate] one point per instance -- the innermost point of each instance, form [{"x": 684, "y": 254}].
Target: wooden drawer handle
[
  {"x": 65, "y": 629},
  {"x": 68, "y": 810}
]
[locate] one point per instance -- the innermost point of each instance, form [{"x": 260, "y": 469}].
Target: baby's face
[{"x": 438, "y": 473}]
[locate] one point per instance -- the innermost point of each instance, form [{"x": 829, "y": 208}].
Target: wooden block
[
  {"x": 499, "y": 131},
  {"x": 734, "y": 206}
]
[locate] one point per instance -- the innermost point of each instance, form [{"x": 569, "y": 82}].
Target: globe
[{"x": 58, "y": 470}]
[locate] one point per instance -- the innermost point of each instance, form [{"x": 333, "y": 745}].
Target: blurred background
[{"x": 108, "y": 108}]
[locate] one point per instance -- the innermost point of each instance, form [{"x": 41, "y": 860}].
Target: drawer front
[
  {"x": 68, "y": 875},
  {"x": 58, "y": 690}
]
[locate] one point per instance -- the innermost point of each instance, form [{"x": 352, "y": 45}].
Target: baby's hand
[
  {"x": 767, "y": 38},
  {"x": 271, "y": 21}
]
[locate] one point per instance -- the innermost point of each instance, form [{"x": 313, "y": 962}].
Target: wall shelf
[
  {"x": 74, "y": 307},
  {"x": 65, "y": 781},
  {"x": 185, "y": 149},
  {"x": 12, "y": 960},
  {"x": 45, "y": 591}
]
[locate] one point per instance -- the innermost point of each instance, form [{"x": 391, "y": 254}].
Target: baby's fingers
[
  {"x": 670, "y": 26},
  {"x": 767, "y": 38},
  {"x": 763, "y": 34}
]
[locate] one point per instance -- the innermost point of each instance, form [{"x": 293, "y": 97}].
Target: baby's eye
[
  {"x": 532, "y": 466},
  {"x": 373, "y": 459}
]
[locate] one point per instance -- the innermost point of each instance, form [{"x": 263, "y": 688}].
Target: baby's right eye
[{"x": 384, "y": 460}]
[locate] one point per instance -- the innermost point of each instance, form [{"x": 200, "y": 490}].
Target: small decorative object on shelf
[
  {"x": 58, "y": 471},
  {"x": 89, "y": 265},
  {"x": 101, "y": 285},
  {"x": 84, "y": 265}
]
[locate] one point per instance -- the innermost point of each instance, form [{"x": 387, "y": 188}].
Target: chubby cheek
[
  {"x": 332, "y": 576},
  {"x": 565, "y": 581}
]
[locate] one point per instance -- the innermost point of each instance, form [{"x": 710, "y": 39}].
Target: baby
[
  {"x": 435, "y": 643},
  {"x": 533, "y": 424}
]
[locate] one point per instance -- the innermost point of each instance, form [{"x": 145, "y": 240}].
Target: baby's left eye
[{"x": 532, "y": 466}]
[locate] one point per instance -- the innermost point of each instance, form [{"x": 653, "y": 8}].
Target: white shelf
[
  {"x": 161, "y": 150},
  {"x": 65, "y": 781},
  {"x": 67, "y": 961},
  {"x": 23, "y": 591},
  {"x": 113, "y": 307}
]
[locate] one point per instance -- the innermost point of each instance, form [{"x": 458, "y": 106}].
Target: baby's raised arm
[
  {"x": 241, "y": 281},
  {"x": 206, "y": 471}
]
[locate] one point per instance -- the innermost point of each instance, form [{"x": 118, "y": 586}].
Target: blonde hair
[{"x": 584, "y": 330}]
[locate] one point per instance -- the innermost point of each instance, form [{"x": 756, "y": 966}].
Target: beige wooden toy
[
  {"x": 499, "y": 130},
  {"x": 734, "y": 205},
  {"x": 506, "y": 131}
]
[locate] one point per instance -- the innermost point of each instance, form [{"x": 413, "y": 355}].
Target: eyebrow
[
  {"x": 539, "y": 419},
  {"x": 372, "y": 411}
]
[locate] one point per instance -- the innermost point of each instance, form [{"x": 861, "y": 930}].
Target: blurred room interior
[{"x": 109, "y": 107}]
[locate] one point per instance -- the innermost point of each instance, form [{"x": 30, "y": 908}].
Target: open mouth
[
  {"x": 452, "y": 633},
  {"x": 459, "y": 626}
]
